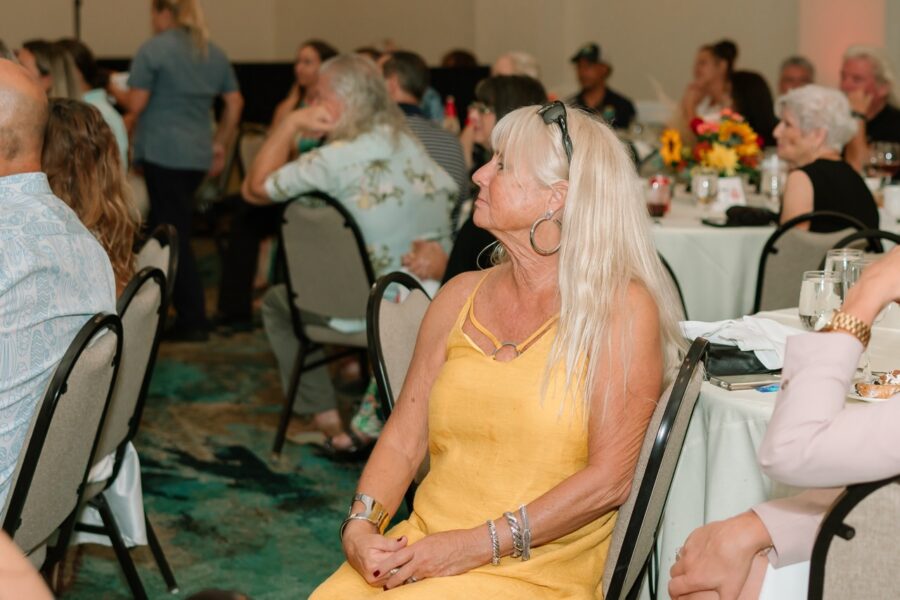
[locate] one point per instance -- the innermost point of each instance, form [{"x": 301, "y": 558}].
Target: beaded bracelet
[{"x": 495, "y": 544}]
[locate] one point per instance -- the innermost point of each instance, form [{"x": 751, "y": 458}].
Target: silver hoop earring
[{"x": 548, "y": 216}]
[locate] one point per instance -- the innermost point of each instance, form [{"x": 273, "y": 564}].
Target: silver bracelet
[
  {"x": 495, "y": 543},
  {"x": 516, "y": 534},
  {"x": 526, "y": 534}
]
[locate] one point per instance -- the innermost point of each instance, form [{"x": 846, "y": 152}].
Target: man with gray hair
[
  {"x": 53, "y": 274},
  {"x": 870, "y": 84},
  {"x": 796, "y": 71}
]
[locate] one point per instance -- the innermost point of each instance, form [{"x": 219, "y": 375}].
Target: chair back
[
  {"x": 677, "y": 285},
  {"x": 142, "y": 309},
  {"x": 161, "y": 251},
  {"x": 872, "y": 236},
  {"x": 62, "y": 440},
  {"x": 855, "y": 553},
  {"x": 392, "y": 328},
  {"x": 638, "y": 519},
  {"x": 250, "y": 141},
  {"x": 789, "y": 252},
  {"x": 326, "y": 262}
]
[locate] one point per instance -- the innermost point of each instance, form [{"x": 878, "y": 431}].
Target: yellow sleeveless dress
[{"x": 494, "y": 445}]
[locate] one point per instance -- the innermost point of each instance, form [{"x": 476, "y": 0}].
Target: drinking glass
[
  {"x": 704, "y": 184},
  {"x": 854, "y": 272},
  {"x": 820, "y": 294},
  {"x": 841, "y": 261},
  {"x": 659, "y": 195},
  {"x": 773, "y": 178},
  {"x": 884, "y": 160}
]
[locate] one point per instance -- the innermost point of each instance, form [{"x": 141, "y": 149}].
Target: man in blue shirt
[{"x": 53, "y": 274}]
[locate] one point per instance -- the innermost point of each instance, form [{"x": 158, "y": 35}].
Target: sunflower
[
  {"x": 721, "y": 158},
  {"x": 671, "y": 147}
]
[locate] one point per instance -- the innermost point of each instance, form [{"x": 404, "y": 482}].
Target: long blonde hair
[
  {"x": 605, "y": 246},
  {"x": 81, "y": 160},
  {"x": 188, "y": 15}
]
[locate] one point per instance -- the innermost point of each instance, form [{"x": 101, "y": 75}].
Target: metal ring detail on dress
[{"x": 503, "y": 345}]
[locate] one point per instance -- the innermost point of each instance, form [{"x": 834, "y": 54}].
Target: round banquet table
[
  {"x": 715, "y": 266},
  {"x": 718, "y": 474}
]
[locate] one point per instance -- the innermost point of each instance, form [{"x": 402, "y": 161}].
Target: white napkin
[{"x": 765, "y": 337}]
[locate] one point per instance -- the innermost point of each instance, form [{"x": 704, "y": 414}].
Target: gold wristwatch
[
  {"x": 841, "y": 321},
  {"x": 373, "y": 512}
]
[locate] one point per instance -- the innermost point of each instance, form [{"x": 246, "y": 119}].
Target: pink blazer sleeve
[
  {"x": 794, "y": 522},
  {"x": 813, "y": 439}
]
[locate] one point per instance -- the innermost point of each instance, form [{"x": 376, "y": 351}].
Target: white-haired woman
[
  {"x": 516, "y": 63},
  {"x": 373, "y": 165},
  {"x": 531, "y": 384},
  {"x": 174, "y": 79},
  {"x": 815, "y": 125}
]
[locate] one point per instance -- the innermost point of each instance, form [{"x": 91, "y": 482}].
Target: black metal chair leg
[
  {"x": 112, "y": 529},
  {"x": 288, "y": 409},
  {"x": 160, "y": 557}
]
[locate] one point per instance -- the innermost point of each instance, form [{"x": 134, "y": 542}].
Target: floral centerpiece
[{"x": 729, "y": 146}]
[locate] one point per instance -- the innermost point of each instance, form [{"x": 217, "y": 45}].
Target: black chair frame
[
  {"x": 306, "y": 345},
  {"x": 46, "y": 410},
  {"x": 873, "y": 236},
  {"x": 109, "y": 527},
  {"x": 833, "y": 526},
  {"x": 770, "y": 248},
  {"x": 668, "y": 268},
  {"x": 695, "y": 356}
]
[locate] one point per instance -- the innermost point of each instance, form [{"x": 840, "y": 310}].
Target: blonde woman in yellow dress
[{"x": 531, "y": 385}]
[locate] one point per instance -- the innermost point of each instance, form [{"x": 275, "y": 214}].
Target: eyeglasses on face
[{"x": 555, "y": 112}]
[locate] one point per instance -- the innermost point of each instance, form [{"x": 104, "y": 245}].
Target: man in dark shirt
[
  {"x": 595, "y": 95},
  {"x": 865, "y": 78}
]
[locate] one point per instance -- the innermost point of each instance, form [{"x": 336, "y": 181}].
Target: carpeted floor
[{"x": 226, "y": 515}]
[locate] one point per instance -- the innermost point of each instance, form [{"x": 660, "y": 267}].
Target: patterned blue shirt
[{"x": 53, "y": 277}]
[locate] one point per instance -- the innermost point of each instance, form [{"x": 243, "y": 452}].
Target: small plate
[{"x": 856, "y": 396}]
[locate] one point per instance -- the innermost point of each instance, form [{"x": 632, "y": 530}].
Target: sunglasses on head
[{"x": 555, "y": 112}]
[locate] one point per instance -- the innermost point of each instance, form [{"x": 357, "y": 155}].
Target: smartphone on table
[{"x": 744, "y": 382}]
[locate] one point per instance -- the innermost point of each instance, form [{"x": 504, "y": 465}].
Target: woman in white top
[{"x": 710, "y": 90}]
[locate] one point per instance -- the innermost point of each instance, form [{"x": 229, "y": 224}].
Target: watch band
[
  {"x": 373, "y": 512},
  {"x": 841, "y": 321}
]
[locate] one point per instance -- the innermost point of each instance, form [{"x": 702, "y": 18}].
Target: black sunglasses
[{"x": 555, "y": 112}]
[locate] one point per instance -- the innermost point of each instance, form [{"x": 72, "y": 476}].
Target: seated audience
[
  {"x": 813, "y": 440},
  {"x": 52, "y": 68},
  {"x": 593, "y": 71},
  {"x": 815, "y": 125},
  {"x": 53, "y": 274},
  {"x": 495, "y": 97},
  {"x": 752, "y": 99},
  {"x": 459, "y": 59},
  {"x": 710, "y": 90},
  {"x": 407, "y": 77},
  {"x": 580, "y": 301},
  {"x": 92, "y": 82},
  {"x": 516, "y": 63},
  {"x": 796, "y": 71},
  {"x": 870, "y": 84},
  {"x": 81, "y": 161},
  {"x": 18, "y": 577},
  {"x": 374, "y": 166},
  {"x": 251, "y": 224}
]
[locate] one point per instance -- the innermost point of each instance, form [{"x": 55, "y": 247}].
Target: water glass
[
  {"x": 841, "y": 261},
  {"x": 820, "y": 294},
  {"x": 704, "y": 186},
  {"x": 773, "y": 178}
]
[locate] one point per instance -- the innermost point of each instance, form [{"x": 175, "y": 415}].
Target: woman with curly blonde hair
[{"x": 81, "y": 160}]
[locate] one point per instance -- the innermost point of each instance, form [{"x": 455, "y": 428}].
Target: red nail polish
[{"x": 376, "y": 573}]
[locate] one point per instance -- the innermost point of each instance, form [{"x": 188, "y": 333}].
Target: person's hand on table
[
  {"x": 438, "y": 555},
  {"x": 717, "y": 557},
  {"x": 426, "y": 260},
  {"x": 366, "y": 550}
]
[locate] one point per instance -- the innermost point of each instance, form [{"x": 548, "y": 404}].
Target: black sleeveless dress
[{"x": 837, "y": 187}]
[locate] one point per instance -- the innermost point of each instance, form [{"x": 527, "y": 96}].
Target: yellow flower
[
  {"x": 671, "y": 146},
  {"x": 721, "y": 158}
]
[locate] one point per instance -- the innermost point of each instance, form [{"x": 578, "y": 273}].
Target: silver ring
[
  {"x": 412, "y": 579},
  {"x": 393, "y": 571}
]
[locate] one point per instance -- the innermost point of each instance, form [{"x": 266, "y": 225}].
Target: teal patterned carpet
[{"x": 227, "y": 516}]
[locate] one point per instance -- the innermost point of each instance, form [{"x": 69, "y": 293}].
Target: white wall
[{"x": 644, "y": 38}]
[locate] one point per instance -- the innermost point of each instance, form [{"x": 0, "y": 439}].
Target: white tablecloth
[
  {"x": 715, "y": 266},
  {"x": 718, "y": 475}
]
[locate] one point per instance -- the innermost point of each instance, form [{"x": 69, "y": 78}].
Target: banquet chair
[
  {"x": 161, "y": 251},
  {"x": 789, "y": 252},
  {"x": 638, "y": 520},
  {"x": 873, "y": 237},
  {"x": 49, "y": 479},
  {"x": 392, "y": 328},
  {"x": 250, "y": 140},
  {"x": 677, "y": 285},
  {"x": 855, "y": 553},
  {"x": 142, "y": 309},
  {"x": 327, "y": 272}
]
